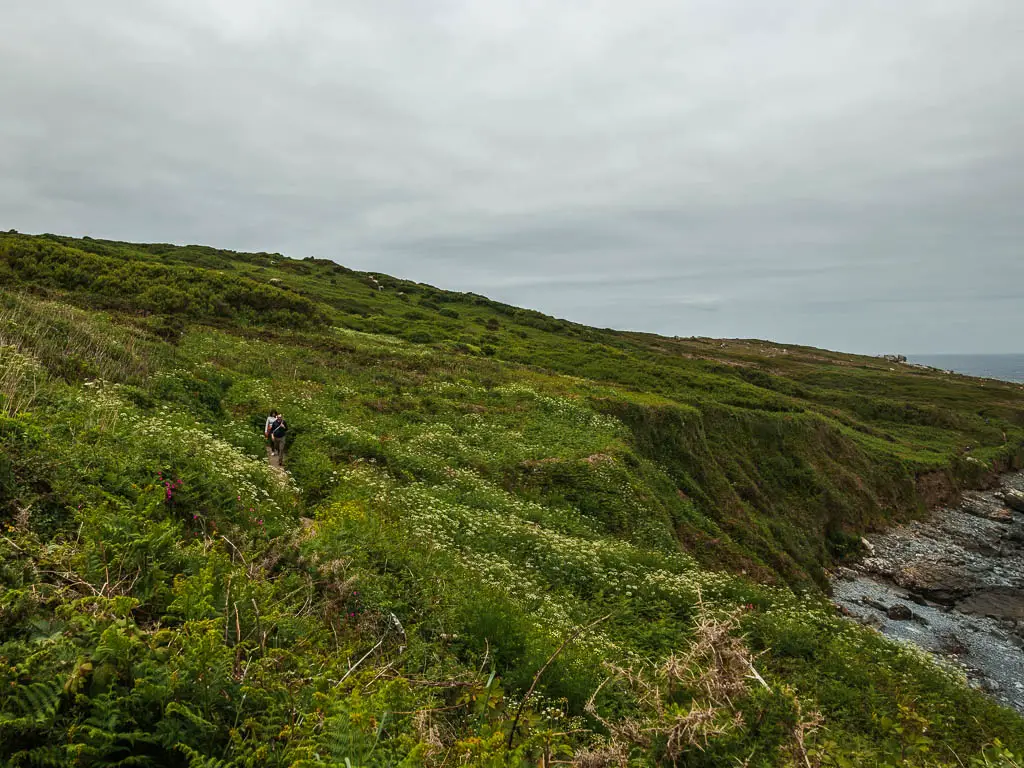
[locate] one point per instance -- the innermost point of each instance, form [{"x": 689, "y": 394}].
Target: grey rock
[
  {"x": 844, "y": 574},
  {"x": 954, "y": 646},
  {"x": 899, "y": 612},
  {"x": 874, "y": 604},
  {"x": 963, "y": 571},
  {"x": 987, "y": 508},
  {"x": 1014, "y": 499},
  {"x": 1000, "y": 603},
  {"x": 943, "y": 583}
]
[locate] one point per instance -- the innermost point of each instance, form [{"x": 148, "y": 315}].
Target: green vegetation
[{"x": 480, "y": 503}]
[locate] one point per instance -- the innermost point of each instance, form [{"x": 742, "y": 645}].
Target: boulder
[
  {"x": 842, "y": 573},
  {"x": 989, "y": 685},
  {"x": 1005, "y": 603},
  {"x": 952, "y": 645},
  {"x": 979, "y": 506},
  {"x": 899, "y": 612},
  {"x": 1014, "y": 499},
  {"x": 939, "y": 582},
  {"x": 873, "y": 604}
]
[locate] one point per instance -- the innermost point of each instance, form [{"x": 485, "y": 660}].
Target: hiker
[
  {"x": 267, "y": 427},
  {"x": 278, "y": 430}
]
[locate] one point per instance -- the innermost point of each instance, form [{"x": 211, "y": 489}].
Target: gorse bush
[
  {"x": 498, "y": 538},
  {"x": 145, "y": 284}
]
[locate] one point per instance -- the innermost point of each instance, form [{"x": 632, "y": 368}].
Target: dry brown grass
[
  {"x": 714, "y": 672},
  {"x": 690, "y": 699}
]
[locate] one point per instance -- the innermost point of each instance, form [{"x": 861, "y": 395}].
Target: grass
[{"x": 468, "y": 484}]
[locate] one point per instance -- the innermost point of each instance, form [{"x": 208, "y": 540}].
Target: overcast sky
[{"x": 842, "y": 174}]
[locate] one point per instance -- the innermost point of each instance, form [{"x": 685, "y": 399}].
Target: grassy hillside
[{"x": 472, "y": 490}]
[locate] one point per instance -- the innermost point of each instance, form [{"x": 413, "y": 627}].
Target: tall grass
[{"x": 70, "y": 343}]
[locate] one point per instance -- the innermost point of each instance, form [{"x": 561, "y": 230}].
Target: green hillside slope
[{"x": 480, "y": 502}]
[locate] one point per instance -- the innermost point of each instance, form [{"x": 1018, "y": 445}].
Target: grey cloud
[{"x": 845, "y": 175}]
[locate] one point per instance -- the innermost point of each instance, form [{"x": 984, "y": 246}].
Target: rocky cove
[{"x": 952, "y": 584}]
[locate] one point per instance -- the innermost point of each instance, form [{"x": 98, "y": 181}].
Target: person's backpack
[{"x": 279, "y": 429}]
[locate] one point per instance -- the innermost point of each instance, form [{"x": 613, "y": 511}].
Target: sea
[{"x": 1005, "y": 367}]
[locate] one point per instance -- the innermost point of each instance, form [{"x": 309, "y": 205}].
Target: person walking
[
  {"x": 278, "y": 431},
  {"x": 270, "y": 422}
]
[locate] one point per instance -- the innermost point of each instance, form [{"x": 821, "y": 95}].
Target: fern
[
  {"x": 197, "y": 760},
  {"x": 36, "y": 703},
  {"x": 46, "y": 756},
  {"x": 177, "y": 708},
  {"x": 109, "y": 737}
]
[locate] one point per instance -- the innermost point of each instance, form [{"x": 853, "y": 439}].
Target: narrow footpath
[{"x": 274, "y": 460}]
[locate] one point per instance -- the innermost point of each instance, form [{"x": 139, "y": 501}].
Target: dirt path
[{"x": 274, "y": 461}]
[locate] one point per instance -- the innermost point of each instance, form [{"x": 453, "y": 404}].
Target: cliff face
[{"x": 466, "y": 486}]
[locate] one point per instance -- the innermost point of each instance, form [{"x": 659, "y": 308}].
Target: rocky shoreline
[{"x": 953, "y": 585}]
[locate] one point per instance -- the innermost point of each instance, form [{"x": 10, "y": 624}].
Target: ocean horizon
[{"x": 1008, "y": 367}]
